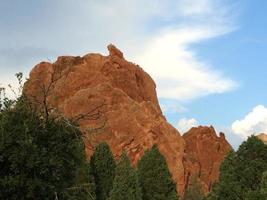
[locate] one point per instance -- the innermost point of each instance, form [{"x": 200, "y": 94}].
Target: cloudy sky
[{"x": 208, "y": 57}]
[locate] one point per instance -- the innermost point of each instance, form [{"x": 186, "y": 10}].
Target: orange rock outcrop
[
  {"x": 204, "y": 152},
  {"x": 114, "y": 100},
  {"x": 263, "y": 137}
]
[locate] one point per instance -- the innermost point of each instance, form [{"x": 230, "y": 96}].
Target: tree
[
  {"x": 260, "y": 194},
  {"x": 126, "y": 185},
  {"x": 103, "y": 169},
  {"x": 229, "y": 186},
  {"x": 194, "y": 191},
  {"x": 214, "y": 193},
  {"x": 251, "y": 162},
  {"x": 39, "y": 159},
  {"x": 264, "y": 184},
  {"x": 83, "y": 191},
  {"x": 155, "y": 178},
  {"x": 241, "y": 172}
]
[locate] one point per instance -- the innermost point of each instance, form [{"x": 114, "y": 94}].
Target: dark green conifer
[
  {"x": 126, "y": 185},
  {"x": 103, "y": 169},
  {"x": 155, "y": 178},
  {"x": 241, "y": 172},
  {"x": 264, "y": 184}
]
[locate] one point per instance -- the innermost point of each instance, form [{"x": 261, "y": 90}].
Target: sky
[{"x": 207, "y": 57}]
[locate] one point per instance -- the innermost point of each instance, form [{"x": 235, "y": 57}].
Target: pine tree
[
  {"x": 251, "y": 162},
  {"x": 155, "y": 178},
  {"x": 264, "y": 184},
  {"x": 126, "y": 185},
  {"x": 194, "y": 191},
  {"x": 229, "y": 186},
  {"x": 85, "y": 191},
  {"x": 241, "y": 172},
  {"x": 103, "y": 169},
  {"x": 214, "y": 193}
]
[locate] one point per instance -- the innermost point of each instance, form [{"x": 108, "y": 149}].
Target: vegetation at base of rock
[
  {"x": 39, "y": 160},
  {"x": 264, "y": 184},
  {"x": 194, "y": 191},
  {"x": 126, "y": 184},
  {"x": 155, "y": 178},
  {"x": 243, "y": 173},
  {"x": 103, "y": 169}
]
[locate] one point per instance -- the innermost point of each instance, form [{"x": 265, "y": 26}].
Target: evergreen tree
[
  {"x": 229, "y": 186},
  {"x": 214, "y": 193},
  {"x": 85, "y": 191},
  {"x": 241, "y": 172},
  {"x": 38, "y": 160},
  {"x": 194, "y": 191},
  {"x": 251, "y": 162},
  {"x": 260, "y": 194},
  {"x": 126, "y": 185},
  {"x": 103, "y": 169},
  {"x": 155, "y": 178},
  {"x": 264, "y": 184}
]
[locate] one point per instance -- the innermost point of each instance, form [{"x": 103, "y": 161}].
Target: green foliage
[
  {"x": 264, "y": 184},
  {"x": 214, "y": 194},
  {"x": 85, "y": 190},
  {"x": 254, "y": 195},
  {"x": 103, "y": 169},
  {"x": 38, "y": 160},
  {"x": 251, "y": 162},
  {"x": 194, "y": 191},
  {"x": 126, "y": 185},
  {"x": 155, "y": 178},
  {"x": 241, "y": 172}
]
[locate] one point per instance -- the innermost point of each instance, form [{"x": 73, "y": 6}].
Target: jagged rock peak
[
  {"x": 204, "y": 152},
  {"x": 114, "y": 51}
]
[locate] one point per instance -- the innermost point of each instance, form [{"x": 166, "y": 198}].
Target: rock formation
[
  {"x": 263, "y": 137},
  {"x": 204, "y": 152},
  {"x": 114, "y": 100}
]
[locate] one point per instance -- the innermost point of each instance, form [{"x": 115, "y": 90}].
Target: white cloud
[
  {"x": 253, "y": 123},
  {"x": 155, "y": 34},
  {"x": 185, "y": 124},
  {"x": 179, "y": 74}
]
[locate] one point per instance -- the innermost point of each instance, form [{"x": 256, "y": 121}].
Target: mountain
[{"x": 114, "y": 100}]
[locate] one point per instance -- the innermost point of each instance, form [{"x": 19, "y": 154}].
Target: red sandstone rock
[
  {"x": 263, "y": 137},
  {"x": 204, "y": 152},
  {"x": 115, "y": 101}
]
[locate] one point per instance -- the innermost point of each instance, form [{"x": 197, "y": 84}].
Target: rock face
[
  {"x": 263, "y": 137},
  {"x": 204, "y": 152},
  {"x": 115, "y": 101}
]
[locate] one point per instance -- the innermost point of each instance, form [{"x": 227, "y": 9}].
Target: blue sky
[{"x": 208, "y": 57}]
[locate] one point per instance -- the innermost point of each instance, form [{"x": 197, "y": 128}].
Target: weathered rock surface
[
  {"x": 263, "y": 137},
  {"x": 204, "y": 152},
  {"x": 114, "y": 100}
]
